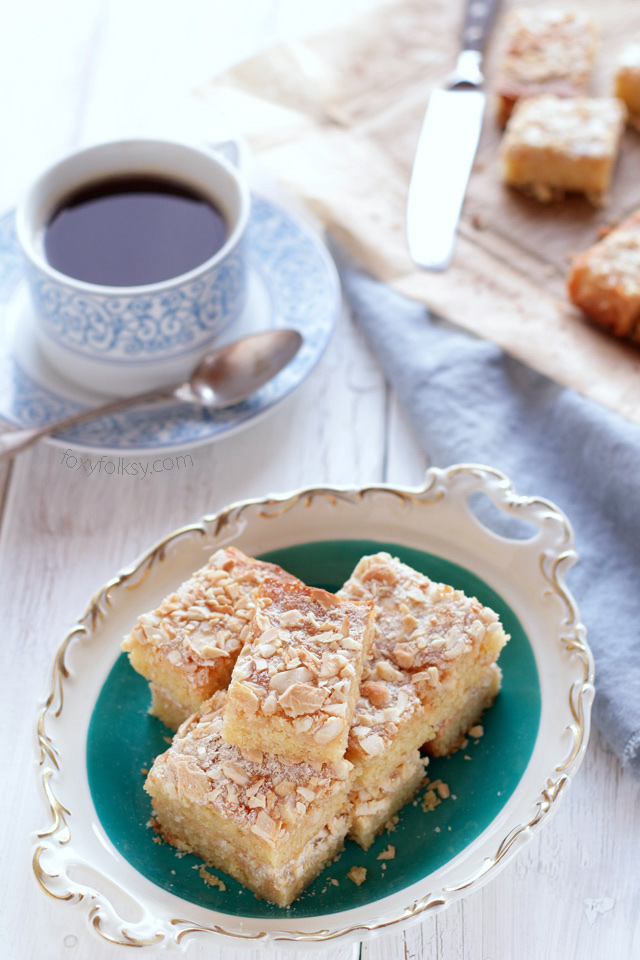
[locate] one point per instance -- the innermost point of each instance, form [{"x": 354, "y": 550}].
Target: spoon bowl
[{"x": 234, "y": 372}]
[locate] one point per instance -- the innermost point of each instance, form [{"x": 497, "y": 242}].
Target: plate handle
[{"x": 523, "y": 518}]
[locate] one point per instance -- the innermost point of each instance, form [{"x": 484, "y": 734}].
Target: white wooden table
[{"x": 76, "y": 71}]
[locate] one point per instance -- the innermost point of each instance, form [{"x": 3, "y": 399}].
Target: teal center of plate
[{"x": 123, "y": 741}]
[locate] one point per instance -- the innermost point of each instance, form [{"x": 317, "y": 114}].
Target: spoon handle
[{"x": 14, "y": 441}]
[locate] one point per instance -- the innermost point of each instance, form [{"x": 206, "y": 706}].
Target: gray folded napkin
[{"x": 469, "y": 402}]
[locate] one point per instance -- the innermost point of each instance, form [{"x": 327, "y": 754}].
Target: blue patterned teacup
[{"x": 123, "y": 340}]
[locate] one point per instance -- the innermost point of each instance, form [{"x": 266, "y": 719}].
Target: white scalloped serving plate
[{"x": 73, "y": 858}]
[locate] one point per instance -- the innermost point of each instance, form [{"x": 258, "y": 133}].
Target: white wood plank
[{"x": 406, "y": 463}]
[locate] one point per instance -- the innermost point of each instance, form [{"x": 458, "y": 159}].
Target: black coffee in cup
[{"x": 133, "y": 230}]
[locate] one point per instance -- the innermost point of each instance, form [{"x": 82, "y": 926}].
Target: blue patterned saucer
[{"x": 292, "y": 283}]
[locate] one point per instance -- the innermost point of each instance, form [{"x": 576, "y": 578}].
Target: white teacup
[{"x": 122, "y": 340}]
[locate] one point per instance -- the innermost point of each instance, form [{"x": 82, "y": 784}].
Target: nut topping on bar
[
  {"x": 605, "y": 280},
  {"x": 545, "y": 52},
  {"x": 420, "y": 626},
  {"x": 207, "y": 617},
  {"x": 268, "y": 794},
  {"x": 318, "y": 733},
  {"x": 186, "y": 648},
  {"x": 377, "y": 717},
  {"x": 312, "y": 661},
  {"x": 554, "y": 146},
  {"x": 296, "y": 680}
]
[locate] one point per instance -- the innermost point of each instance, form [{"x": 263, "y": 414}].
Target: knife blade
[{"x": 447, "y": 147}]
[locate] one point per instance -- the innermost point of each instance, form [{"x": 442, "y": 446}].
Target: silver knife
[{"x": 447, "y": 146}]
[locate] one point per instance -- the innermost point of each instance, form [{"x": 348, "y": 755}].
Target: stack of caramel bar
[{"x": 329, "y": 699}]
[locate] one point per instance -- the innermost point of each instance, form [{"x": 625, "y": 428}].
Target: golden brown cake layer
[
  {"x": 433, "y": 649},
  {"x": 295, "y": 684},
  {"x": 371, "y": 808},
  {"x": 188, "y": 645},
  {"x": 605, "y": 280},
  {"x": 277, "y": 884},
  {"x": 167, "y": 708},
  {"x": 553, "y": 146},
  {"x": 464, "y": 712},
  {"x": 266, "y": 807},
  {"x": 390, "y": 722}
]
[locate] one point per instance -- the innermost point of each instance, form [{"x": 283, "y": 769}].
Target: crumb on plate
[
  {"x": 358, "y": 875},
  {"x": 388, "y": 853}
]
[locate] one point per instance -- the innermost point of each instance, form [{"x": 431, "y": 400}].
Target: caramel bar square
[
  {"x": 552, "y": 146},
  {"x": 441, "y": 643},
  {"x": 545, "y": 51},
  {"x": 270, "y": 824},
  {"x": 188, "y": 646},
  {"x": 295, "y": 684},
  {"x": 605, "y": 280},
  {"x": 627, "y": 85}
]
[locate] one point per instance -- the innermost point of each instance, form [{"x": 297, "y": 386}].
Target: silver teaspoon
[{"x": 224, "y": 377}]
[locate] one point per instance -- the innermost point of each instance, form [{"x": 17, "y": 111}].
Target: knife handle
[{"x": 477, "y": 23}]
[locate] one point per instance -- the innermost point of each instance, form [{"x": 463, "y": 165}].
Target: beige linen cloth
[{"x": 336, "y": 119}]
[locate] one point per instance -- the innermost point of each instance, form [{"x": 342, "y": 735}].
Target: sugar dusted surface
[
  {"x": 257, "y": 792},
  {"x": 543, "y": 46},
  {"x": 580, "y": 127},
  {"x": 421, "y": 628},
  {"x": 303, "y": 660},
  {"x": 207, "y": 618}
]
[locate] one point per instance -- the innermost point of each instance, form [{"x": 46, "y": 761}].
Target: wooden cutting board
[{"x": 336, "y": 119}]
